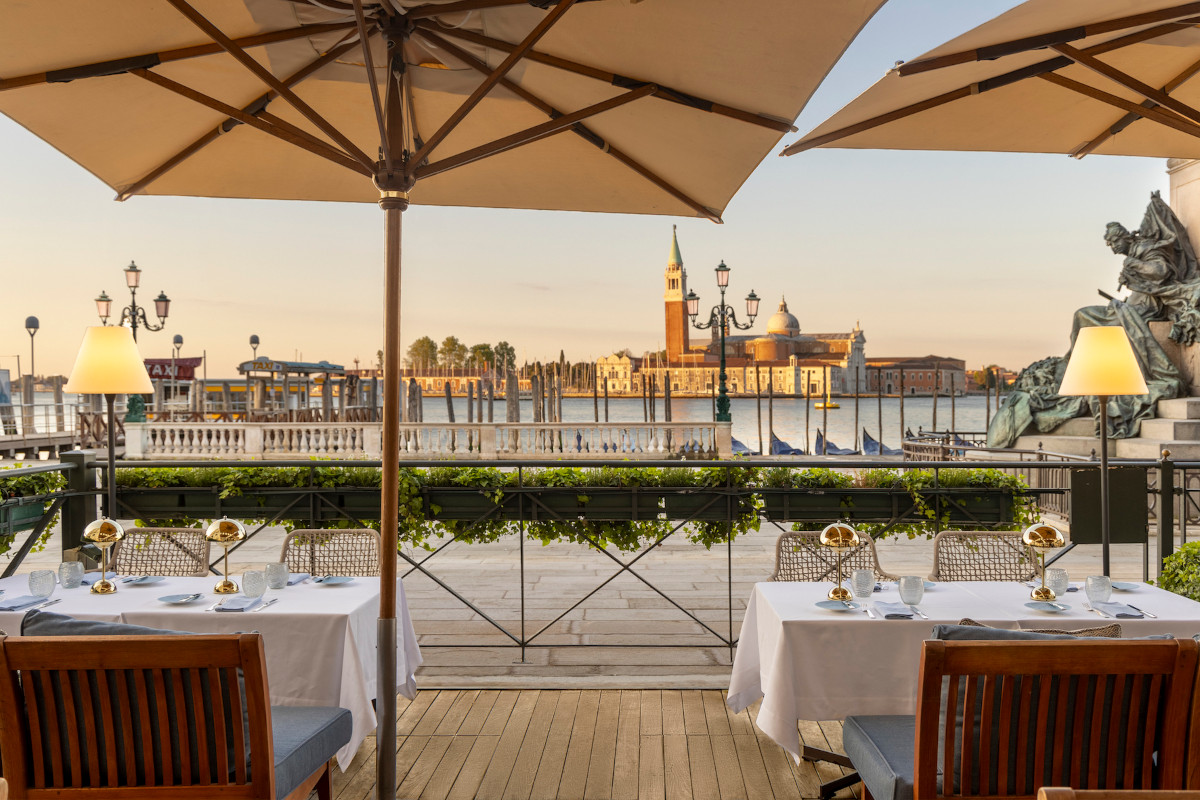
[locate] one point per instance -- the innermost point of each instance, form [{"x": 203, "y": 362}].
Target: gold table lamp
[
  {"x": 105, "y": 533},
  {"x": 1041, "y": 537},
  {"x": 840, "y": 538},
  {"x": 225, "y": 532}
]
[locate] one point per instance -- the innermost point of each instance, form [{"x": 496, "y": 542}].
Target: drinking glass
[
  {"x": 912, "y": 589},
  {"x": 862, "y": 583},
  {"x": 42, "y": 582},
  {"x": 1098, "y": 588},
  {"x": 277, "y": 575},
  {"x": 254, "y": 583},
  {"x": 70, "y": 574},
  {"x": 1057, "y": 581}
]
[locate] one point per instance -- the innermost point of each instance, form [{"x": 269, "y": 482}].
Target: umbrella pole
[{"x": 393, "y": 204}]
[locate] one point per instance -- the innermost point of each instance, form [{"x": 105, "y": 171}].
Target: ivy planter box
[
  {"x": 20, "y": 518},
  {"x": 698, "y": 504},
  {"x": 968, "y": 506},
  {"x": 964, "y": 506},
  {"x": 154, "y": 504},
  {"x": 466, "y": 504},
  {"x": 594, "y": 503}
]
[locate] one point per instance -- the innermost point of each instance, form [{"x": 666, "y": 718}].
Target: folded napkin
[
  {"x": 92, "y": 577},
  {"x": 18, "y": 603},
  {"x": 239, "y": 604},
  {"x": 894, "y": 610},
  {"x": 1119, "y": 610},
  {"x": 297, "y": 577}
]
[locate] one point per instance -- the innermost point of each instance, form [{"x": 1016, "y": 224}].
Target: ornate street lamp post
[
  {"x": 177, "y": 343},
  {"x": 254, "y": 345},
  {"x": 133, "y": 314},
  {"x": 722, "y": 316}
]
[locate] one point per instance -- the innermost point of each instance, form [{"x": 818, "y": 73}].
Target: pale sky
[{"x": 978, "y": 256}]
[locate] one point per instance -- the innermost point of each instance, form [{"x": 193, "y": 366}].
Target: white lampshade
[
  {"x": 1102, "y": 363},
  {"x": 109, "y": 363}
]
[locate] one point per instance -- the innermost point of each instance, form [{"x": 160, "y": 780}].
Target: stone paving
[{"x": 624, "y": 624}]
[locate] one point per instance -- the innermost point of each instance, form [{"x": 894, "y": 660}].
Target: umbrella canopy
[
  {"x": 1049, "y": 76},
  {"x": 635, "y": 106},
  {"x": 682, "y": 98}
]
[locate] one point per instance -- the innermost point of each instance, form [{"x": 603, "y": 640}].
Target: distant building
[{"x": 921, "y": 374}]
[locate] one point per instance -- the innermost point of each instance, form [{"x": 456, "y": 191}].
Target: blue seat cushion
[
  {"x": 305, "y": 739},
  {"x": 881, "y": 750}
]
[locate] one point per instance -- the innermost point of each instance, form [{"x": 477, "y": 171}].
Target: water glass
[
  {"x": 862, "y": 583},
  {"x": 1057, "y": 581},
  {"x": 254, "y": 583},
  {"x": 912, "y": 589},
  {"x": 1098, "y": 588},
  {"x": 277, "y": 575},
  {"x": 70, "y": 574},
  {"x": 42, "y": 582}
]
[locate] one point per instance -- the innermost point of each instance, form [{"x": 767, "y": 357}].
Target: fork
[
  {"x": 216, "y": 605},
  {"x": 1098, "y": 611}
]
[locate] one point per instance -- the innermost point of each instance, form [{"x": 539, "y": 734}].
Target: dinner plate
[
  {"x": 180, "y": 599},
  {"x": 1126, "y": 587},
  {"x": 838, "y": 605},
  {"x": 334, "y": 580},
  {"x": 144, "y": 580},
  {"x": 1049, "y": 608}
]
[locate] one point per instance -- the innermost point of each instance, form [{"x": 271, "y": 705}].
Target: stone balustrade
[{"x": 167, "y": 440}]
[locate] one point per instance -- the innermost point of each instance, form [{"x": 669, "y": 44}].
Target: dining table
[
  {"x": 319, "y": 636},
  {"x": 809, "y": 662}
]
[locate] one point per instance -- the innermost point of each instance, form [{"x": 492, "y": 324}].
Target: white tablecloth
[
  {"x": 320, "y": 640},
  {"x": 809, "y": 663}
]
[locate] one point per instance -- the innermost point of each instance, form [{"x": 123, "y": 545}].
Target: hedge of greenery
[
  {"x": 416, "y": 511},
  {"x": 1181, "y": 571},
  {"x": 29, "y": 485}
]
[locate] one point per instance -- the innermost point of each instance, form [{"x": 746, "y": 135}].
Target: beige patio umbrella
[
  {"x": 634, "y": 106},
  {"x": 1049, "y": 76}
]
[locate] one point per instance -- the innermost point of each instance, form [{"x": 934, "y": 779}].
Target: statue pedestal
[{"x": 1185, "y": 357}]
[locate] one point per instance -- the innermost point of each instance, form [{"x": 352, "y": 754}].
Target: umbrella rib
[
  {"x": 1128, "y": 119},
  {"x": 1129, "y": 82},
  {"x": 276, "y": 127},
  {"x": 263, "y": 74},
  {"x": 621, "y": 81},
  {"x": 256, "y": 107},
  {"x": 360, "y": 21},
  {"x": 531, "y": 135},
  {"x": 579, "y": 129},
  {"x": 433, "y": 10},
  {"x": 147, "y": 60},
  {"x": 489, "y": 82},
  {"x": 995, "y": 82},
  {"x": 1151, "y": 113},
  {"x": 1048, "y": 39}
]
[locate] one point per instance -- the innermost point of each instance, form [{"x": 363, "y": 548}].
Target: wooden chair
[
  {"x": 800, "y": 556},
  {"x": 1003, "y": 718},
  {"x": 143, "y": 717},
  {"x": 353, "y": 552},
  {"x": 3, "y": 789},
  {"x": 1064, "y": 793},
  {"x": 180, "y": 552},
  {"x": 981, "y": 556}
]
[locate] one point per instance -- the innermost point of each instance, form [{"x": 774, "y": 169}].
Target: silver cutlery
[
  {"x": 1143, "y": 613},
  {"x": 1104, "y": 614},
  {"x": 870, "y": 612},
  {"x": 191, "y": 597},
  {"x": 264, "y": 605},
  {"x": 216, "y": 605},
  {"x": 326, "y": 577},
  {"x": 43, "y": 605},
  {"x": 1059, "y": 606},
  {"x": 918, "y": 612}
]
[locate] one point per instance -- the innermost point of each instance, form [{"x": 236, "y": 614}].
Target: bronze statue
[{"x": 1163, "y": 277}]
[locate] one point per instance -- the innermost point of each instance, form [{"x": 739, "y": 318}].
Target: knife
[
  {"x": 264, "y": 605},
  {"x": 1144, "y": 613},
  {"x": 918, "y": 612},
  {"x": 43, "y": 605}
]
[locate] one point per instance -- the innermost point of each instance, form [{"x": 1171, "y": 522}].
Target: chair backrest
[
  {"x": 136, "y": 717},
  {"x": 800, "y": 556},
  {"x": 353, "y": 552},
  {"x": 162, "y": 551},
  {"x": 1003, "y": 718},
  {"x": 981, "y": 556},
  {"x": 1066, "y": 793}
]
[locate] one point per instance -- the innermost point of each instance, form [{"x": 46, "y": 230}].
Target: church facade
[{"x": 783, "y": 360}]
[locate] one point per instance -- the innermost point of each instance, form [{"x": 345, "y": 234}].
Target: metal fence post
[
  {"x": 1166, "y": 508},
  {"x": 78, "y": 511}
]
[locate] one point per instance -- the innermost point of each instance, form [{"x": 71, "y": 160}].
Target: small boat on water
[
  {"x": 872, "y": 447},
  {"x": 782, "y": 448},
  {"x": 828, "y": 448},
  {"x": 740, "y": 449},
  {"x": 826, "y": 403}
]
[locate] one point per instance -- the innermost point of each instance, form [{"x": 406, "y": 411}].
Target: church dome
[{"x": 782, "y": 322}]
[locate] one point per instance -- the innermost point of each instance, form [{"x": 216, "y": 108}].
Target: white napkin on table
[
  {"x": 239, "y": 604},
  {"x": 894, "y": 610}
]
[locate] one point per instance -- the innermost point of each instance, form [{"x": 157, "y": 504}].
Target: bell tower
[{"x": 676, "y": 306}]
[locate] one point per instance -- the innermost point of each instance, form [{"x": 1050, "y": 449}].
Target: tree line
[{"x": 425, "y": 353}]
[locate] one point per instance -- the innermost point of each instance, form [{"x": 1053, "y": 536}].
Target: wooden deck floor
[{"x": 587, "y": 745}]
